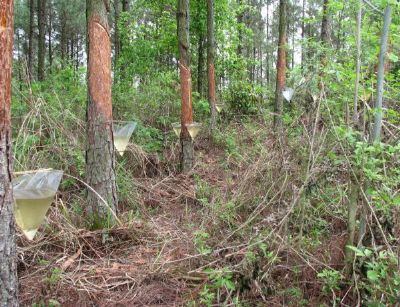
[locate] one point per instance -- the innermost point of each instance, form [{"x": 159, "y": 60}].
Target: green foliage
[{"x": 382, "y": 279}]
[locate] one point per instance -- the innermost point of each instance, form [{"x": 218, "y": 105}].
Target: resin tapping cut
[
  {"x": 288, "y": 93},
  {"x": 193, "y": 128},
  {"x": 34, "y": 193},
  {"x": 122, "y": 133}
]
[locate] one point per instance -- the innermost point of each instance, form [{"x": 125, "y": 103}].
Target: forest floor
[{"x": 161, "y": 257}]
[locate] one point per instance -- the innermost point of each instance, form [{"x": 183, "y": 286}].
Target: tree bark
[
  {"x": 125, "y": 5},
  {"x": 358, "y": 63},
  {"x": 63, "y": 35},
  {"x": 8, "y": 257},
  {"x": 211, "y": 61},
  {"x": 281, "y": 65},
  {"x": 117, "y": 45},
  {"x": 187, "y": 150},
  {"x": 41, "y": 6},
  {"x": 200, "y": 65},
  {"x": 50, "y": 25},
  {"x": 30, "y": 37},
  {"x": 100, "y": 154},
  {"x": 325, "y": 37},
  {"x": 376, "y": 133},
  {"x": 303, "y": 29}
]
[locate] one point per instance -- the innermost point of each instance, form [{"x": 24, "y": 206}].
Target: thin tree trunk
[
  {"x": 211, "y": 61},
  {"x": 100, "y": 154},
  {"x": 8, "y": 256},
  {"x": 30, "y": 36},
  {"x": 240, "y": 17},
  {"x": 200, "y": 65},
  {"x": 358, "y": 62},
  {"x": 303, "y": 29},
  {"x": 50, "y": 34},
  {"x": 125, "y": 5},
  {"x": 268, "y": 54},
  {"x": 376, "y": 133},
  {"x": 41, "y": 38},
  {"x": 354, "y": 185},
  {"x": 187, "y": 150},
  {"x": 116, "y": 34},
  {"x": 63, "y": 36},
  {"x": 325, "y": 36},
  {"x": 281, "y": 66}
]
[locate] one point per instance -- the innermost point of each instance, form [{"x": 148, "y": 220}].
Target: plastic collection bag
[
  {"x": 34, "y": 193},
  {"x": 288, "y": 93},
  {"x": 122, "y": 134},
  {"x": 193, "y": 128}
]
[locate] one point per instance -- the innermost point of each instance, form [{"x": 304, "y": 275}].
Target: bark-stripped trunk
[
  {"x": 30, "y": 37},
  {"x": 187, "y": 151},
  {"x": 8, "y": 257},
  {"x": 41, "y": 38},
  {"x": 281, "y": 65},
  {"x": 210, "y": 61},
  {"x": 100, "y": 154}
]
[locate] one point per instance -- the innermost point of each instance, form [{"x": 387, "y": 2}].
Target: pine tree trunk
[
  {"x": 63, "y": 36},
  {"x": 303, "y": 29},
  {"x": 116, "y": 34},
  {"x": 50, "y": 33},
  {"x": 210, "y": 61},
  {"x": 187, "y": 150},
  {"x": 200, "y": 65},
  {"x": 8, "y": 257},
  {"x": 100, "y": 154},
  {"x": 281, "y": 65},
  {"x": 30, "y": 37},
  {"x": 41, "y": 6},
  {"x": 325, "y": 37}
]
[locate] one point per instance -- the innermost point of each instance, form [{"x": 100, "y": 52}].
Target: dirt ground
[{"x": 153, "y": 261}]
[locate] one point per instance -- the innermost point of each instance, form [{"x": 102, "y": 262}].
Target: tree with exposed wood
[
  {"x": 187, "y": 150},
  {"x": 281, "y": 64},
  {"x": 8, "y": 254},
  {"x": 100, "y": 154},
  {"x": 210, "y": 61},
  {"x": 41, "y": 7}
]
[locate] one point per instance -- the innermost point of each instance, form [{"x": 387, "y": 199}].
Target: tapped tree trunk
[
  {"x": 8, "y": 257},
  {"x": 41, "y": 6},
  {"x": 281, "y": 65},
  {"x": 187, "y": 150},
  {"x": 100, "y": 154},
  {"x": 210, "y": 61}
]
